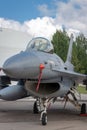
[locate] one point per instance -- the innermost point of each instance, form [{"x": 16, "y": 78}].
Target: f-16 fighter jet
[{"x": 43, "y": 75}]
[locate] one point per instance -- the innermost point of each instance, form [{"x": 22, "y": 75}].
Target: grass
[{"x": 82, "y": 89}]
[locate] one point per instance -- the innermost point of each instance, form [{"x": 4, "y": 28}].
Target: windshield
[{"x": 40, "y": 44}]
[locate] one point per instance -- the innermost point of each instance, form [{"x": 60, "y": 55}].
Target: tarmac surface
[{"x": 18, "y": 115}]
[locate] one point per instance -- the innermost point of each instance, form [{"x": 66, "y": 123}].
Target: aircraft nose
[{"x": 23, "y": 65}]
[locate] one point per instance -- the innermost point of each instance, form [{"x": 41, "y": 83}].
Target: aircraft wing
[{"x": 71, "y": 74}]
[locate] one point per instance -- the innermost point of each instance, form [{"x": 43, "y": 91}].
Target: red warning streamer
[{"x": 40, "y": 76}]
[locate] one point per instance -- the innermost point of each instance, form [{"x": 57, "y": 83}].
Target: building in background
[{"x": 11, "y": 42}]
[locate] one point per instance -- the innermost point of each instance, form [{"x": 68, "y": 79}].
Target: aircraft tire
[
  {"x": 44, "y": 119},
  {"x": 35, "y": 108},
  {"x": 83, "y": 108}
]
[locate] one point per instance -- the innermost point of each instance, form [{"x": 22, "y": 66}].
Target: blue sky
[
  {"x": 22, "y": 10},
  {"x": 18, "y": 14}
]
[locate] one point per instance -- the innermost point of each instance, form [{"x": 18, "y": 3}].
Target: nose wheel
[
  {"x": 44, "y": 118},
  {"x": 38, "y": 105},
  {"x": 41, "y": 105}
]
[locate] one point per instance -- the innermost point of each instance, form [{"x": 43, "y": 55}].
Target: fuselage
[{"x": 26, "y": 66}]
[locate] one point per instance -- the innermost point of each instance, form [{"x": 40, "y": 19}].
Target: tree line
[{"x": 60, "y": 41}]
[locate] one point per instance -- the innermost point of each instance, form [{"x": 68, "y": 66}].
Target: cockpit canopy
[{"x": 40, "y": 44}]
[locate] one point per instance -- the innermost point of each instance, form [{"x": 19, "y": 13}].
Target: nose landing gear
[{"x": 41, "y": 105}]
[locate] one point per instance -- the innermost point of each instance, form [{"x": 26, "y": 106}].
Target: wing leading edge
[{"x": 71, "y": 74}]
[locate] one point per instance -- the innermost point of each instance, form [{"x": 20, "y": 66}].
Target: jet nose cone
[
  {"x": 10, "y": 64},
  {"x": 23, "y": 65}
]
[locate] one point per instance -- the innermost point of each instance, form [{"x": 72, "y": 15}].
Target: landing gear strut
[
  {"x": 75, "y": 102},
  {"x": 41, "y": 105},
  {"x": 43, "y": 117},
  {"x": 37, "y": 106}
]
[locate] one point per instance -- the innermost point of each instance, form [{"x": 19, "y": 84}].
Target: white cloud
[
  {"x": 45, "y": 10},
  {"x": 42, "y": 27},
  {"x": 45, "y": 26},
  {"x": 71, "y": 14},
  {"x": 12, "y": 24}
]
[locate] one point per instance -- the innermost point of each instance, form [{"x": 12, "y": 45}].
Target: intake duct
[{"x": 45, "y": 89}]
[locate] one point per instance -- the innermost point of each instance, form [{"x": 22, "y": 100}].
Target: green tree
[
  {"x": 60, "y": 42},
  {"x": 80, "y": 51}
]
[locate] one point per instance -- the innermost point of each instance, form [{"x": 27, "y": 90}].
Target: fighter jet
[{"x": 43, "y": 75}]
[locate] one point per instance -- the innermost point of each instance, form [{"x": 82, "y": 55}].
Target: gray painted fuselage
[{"x": 56, "y": 79}]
